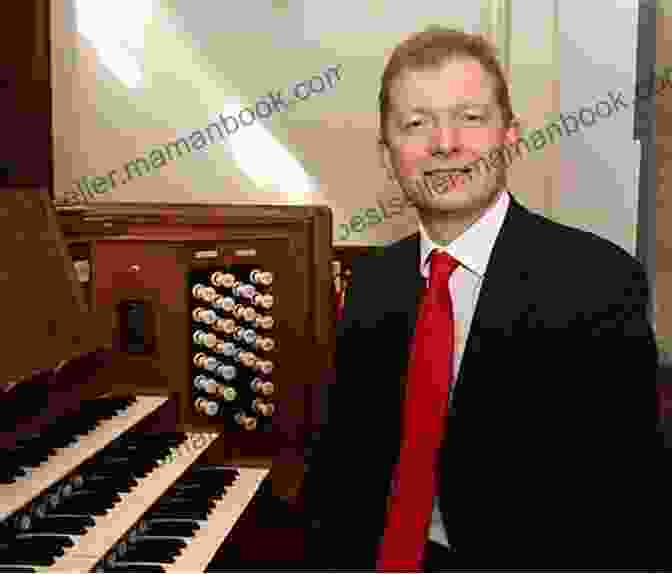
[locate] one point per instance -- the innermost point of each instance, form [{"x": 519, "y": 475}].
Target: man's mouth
[
  {"x": 447, "y": 172},
  {"x": 442, "y": 180}
]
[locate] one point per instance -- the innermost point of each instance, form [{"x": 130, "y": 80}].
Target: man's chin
[{"x": 443, "y": 204}]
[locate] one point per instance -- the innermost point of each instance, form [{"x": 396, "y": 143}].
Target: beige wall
[{"x": 534, "y": 179}]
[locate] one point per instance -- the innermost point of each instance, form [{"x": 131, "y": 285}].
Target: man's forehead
[{"x": 455, "y": 82}]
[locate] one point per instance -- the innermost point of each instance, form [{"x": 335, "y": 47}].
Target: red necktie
[{"x": 429, "y": 381}]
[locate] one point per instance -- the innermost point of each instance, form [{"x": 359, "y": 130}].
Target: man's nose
[{"x": 446, "y": 139}]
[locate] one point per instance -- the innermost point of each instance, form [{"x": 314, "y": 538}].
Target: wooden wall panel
[
  {"x": 25, "y": 95},
  {"x": 663, "y": 313}
]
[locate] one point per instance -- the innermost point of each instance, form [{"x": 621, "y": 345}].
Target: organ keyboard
[
  {"x": 77, "y": 521},
  {"x": 106, "y": 463},
  {"x": 195, "y": 551},
  {"x": 63, "y": 459}
]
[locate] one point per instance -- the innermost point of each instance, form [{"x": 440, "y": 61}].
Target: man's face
[{"x": 441, "y": 120}]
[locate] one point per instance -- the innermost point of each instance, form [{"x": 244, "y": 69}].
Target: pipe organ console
[{"x": 155, "y": 408}]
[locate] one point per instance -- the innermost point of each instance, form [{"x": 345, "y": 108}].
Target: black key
[
  {"x": 27, "y": 459},
  {"x": 162, "y": 556},
  {"x": 23, "y": 553},
  {"x": 51, "y": 541},
  {"x": 103, "y": 497},
  {"x": 106, "y": 494},
  {"x": 143, "y": 542},
  {"x": 108, "y": 486},
  {"x": 174, "y": 520},
  {"x": 134, "y": 568},
  {"x": 207, "y": 478},
  {"x": 48, "y": 541},
  {"x": 172, "y": 514},
  {"x": 215, "y": 468},
  {"x": 94, "y": 479},
  {"x": 183, "y": 506},
  {"x": 58, "y": 525},
  {"x": 167, "y": 529},
  {"x": 167, "y": 547},
  {"x": 199, "y": 501},
  {"x": 185, "y": 503},
  {"x": 205, "y": 482},
  {"x": 207, "y": 490},
  {"x": 84, "y": 519},
  {"x": 88, "y": 504},
  {"x": 81, "y": 510}
]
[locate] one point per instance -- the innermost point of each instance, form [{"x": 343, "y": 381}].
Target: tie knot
[{"x": 442, "y": 267}]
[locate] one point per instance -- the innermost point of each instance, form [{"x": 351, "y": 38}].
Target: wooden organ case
[{"x": 176, "y": 383}]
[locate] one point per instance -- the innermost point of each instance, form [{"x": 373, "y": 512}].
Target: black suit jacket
[{"x": 547, "y": 461}]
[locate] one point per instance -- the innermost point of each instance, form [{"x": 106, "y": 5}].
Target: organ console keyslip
[{"x": 155, "y": 409}]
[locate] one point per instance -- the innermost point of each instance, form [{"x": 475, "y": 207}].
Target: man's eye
[{"x": 414, "y": 124}]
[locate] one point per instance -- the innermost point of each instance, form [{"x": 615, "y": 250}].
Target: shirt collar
[{"x": 472, "y": 249}]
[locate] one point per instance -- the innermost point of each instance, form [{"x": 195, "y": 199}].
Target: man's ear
[{"x": 513, "y": 131}]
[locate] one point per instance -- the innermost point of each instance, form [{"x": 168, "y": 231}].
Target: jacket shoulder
[
  {"x": 562, "y": 246},
  {"x": 385, "y": 257}
]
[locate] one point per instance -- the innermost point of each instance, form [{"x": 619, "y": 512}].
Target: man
[{"x": 544, "y": 454}]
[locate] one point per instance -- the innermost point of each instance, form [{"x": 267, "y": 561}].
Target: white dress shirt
[{"x": 472, "y": 249}]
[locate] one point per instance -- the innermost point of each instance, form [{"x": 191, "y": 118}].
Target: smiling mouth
[
  {"x": 448, "y": 172},
  {"x": 442, "y": 180}
]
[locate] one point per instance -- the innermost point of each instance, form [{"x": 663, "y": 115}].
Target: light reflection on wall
[
  {"x": 117, "y": 32},
  {"x": 118, "y": 37}
]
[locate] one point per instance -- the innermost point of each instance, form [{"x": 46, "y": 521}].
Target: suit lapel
[
  {"x": 407, "y": 297},
  {"x": 504, "y": 291}
]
